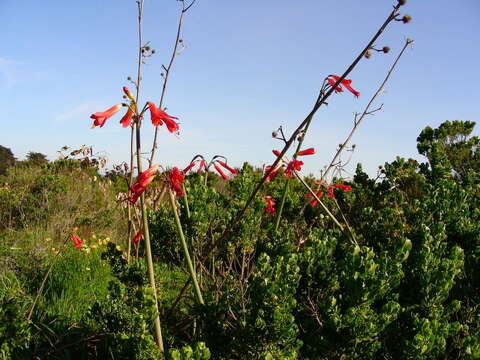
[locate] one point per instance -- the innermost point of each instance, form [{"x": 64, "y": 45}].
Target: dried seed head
[
  {"x": 386, "y": 49},
  {"x": 274, "y": 134},
  {"x": 402, "y": 2},
  {"x": 368, "y": 54},
  {"x": 129, "y": 78},
  {"x": 406, "y": 19}
]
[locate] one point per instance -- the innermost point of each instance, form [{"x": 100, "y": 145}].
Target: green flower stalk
[
  {"x": 285, "y": 189},
  {"x": 191, "y": 269}
]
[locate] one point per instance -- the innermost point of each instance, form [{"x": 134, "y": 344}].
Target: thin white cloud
[
  {"x": 79, "y": 111},
  {"x": 8, "y": 71}
]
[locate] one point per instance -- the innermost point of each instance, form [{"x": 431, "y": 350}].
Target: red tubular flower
[
  {"x": 143, "y": 180},
  {"x": 314, "y": 201},
  {"x": 309, "y": 151},
  {"x": 232, "y": 170},
  {"x": 276, "y": 152},
  {"x": 176, "y": 179},
  {"x": 201, "y": 166},
  {"x": 76, "y": 241},
  {"x": 127, "y": 118},
  {"x": 293, "y": 165},
  {"x": 101, "y": 117},
  {"x": 159, "y": 116},
  {"x": 332, "y": 79},
  {"x": 136, "y": 238},
  {"x": 332, "y": 82},
  {"x": 270, "y": 205},
  {"x": 345, "y": 188},
  {"x": 220, "y": 171},
  {"x": 274, "y": 171},
  {"x": 189, "y": 167},
  {"x": 330, "y": 193}
]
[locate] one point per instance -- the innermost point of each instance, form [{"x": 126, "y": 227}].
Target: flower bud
[
  {"x": 274, "y": 134},
  {"x": 406, "y": 19},
  {"x": 368, "y": 54},
  {"x": 402, "y": 2},
  {"x": 386, "y": 49}
]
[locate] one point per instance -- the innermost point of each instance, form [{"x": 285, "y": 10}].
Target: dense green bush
[{"x": 400, "y": 281}]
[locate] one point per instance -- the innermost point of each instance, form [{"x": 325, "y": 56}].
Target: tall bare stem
[
  {"x": 146, "y": 233},
  {"x": 167, "y": 70}
]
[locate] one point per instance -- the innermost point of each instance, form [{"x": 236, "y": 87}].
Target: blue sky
[{"x": 248, "y": 67}]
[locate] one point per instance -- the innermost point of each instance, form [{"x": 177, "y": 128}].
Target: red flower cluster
[
  {"x": 332, "y": 79},
  {"x": 293, "y": 165},
  {"x": 314, "y": 201},
  {"x": 175, "y": 179},
  {"x": 269, "y": 205},
  {"x": 143, "y": 180},
  {"x": 76, "y": 241},
  {"x": 158, "y": 117},
  {"x": 216, "y": 164}
]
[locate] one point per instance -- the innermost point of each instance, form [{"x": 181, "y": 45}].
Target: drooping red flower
[
  {"x": 225, "y": 165},
  {"x": 127, "y": 118},
  {"x": 101, "y": 117},
  {"x": 309, "y": 151},
  {"x": 332, "y": 82},
  {"x": 314, "y": 201},
  {"x": 276, "y": 152},
  {"x": 220, "y": 171},
  {"x": 143, "y": 180},
  {"x": 293, "y": 165},
  {"x": 201, "y": 166},
  {"x": 136, "y": 238},
  {"x": 332, "y": 79},
  {"x": 76, "y": 241},
  {"x": 270, "y": 205},
  {"x": 176, "y": 179},
  {"x": 158, "y": 116},
  {"x": 189, "y": 167},
  {"x": 274, "y": 171}
]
